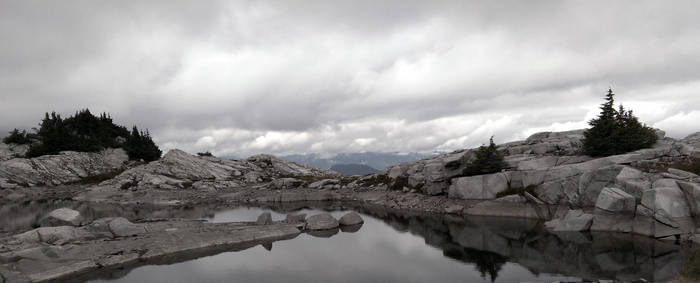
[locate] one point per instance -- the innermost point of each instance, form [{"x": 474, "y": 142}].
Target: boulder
[
  {"x": 121, "y": 227},
  {"x": 574, "y": 220},
  {"x": 265, "y": 218},
  {"x": 295, "y": 218},
  {"x": 692, "y": 193},
  {"x": 666, "y": 198},
  {"x": 62, "y": 217},
  {"x": 684, "y": 175},
  {"x": 58, "y": 235},
  {"x": 286, "y": 183},
  {"x": 351, "y": 218},
  {"x": 323, "y": 221},
  {"x": 632, "y": 181},
  {"x": 322, "y": 183},
  {"x": 10, "y": 151},
  {"x": 454, "y": 209},
  {"x": 614, "y": 200},
  {"x": 478, "y": 187}
]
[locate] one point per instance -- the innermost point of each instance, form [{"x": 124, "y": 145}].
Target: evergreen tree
[
  {"x": 488, "y": 159},
  {"x": 616, "y": 131},
  {"x": 89, "y": 133},
  {"x": 17, "y": 137},
  {"x": 140, "y": 145}
]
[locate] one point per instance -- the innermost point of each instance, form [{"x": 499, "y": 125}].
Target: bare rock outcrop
[
  {"x": 180, "y": 170},
  {"x": 63, "y": 168},
  {"x": 10, "y": 151}
]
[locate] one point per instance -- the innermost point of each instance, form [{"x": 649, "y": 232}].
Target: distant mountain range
[
  {"x": 375, "y": 160},
  {"x": 353, "y": 169}
]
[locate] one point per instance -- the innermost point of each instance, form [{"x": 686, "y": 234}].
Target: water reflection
[{"x": 394, "y": 247}]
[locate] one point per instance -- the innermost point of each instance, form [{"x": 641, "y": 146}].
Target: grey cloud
[{"x": 330, "y": 76}]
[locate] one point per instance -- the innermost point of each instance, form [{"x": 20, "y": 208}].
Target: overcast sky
[{"x": 245, "y": 77}]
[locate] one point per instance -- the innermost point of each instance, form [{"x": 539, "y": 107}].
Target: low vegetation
[
  {"x": 690, "y": 165},
  {"x": 616, "y": 131},
  {"x": 85, "y": 132},
  {"x": 488, "y": 159},
  {"x": 691, "y": 270},
  {"x": 17, "y": 137},
  {"x": 204, "y": 154}
]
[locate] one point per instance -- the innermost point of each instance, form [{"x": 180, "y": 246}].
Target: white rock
[
  {"x": 323, "y": 221},
  {"x": 575, "y": 220},
  {"x": 616, "y": 201},
  {"x": 478, "y": 187},
  {"x": 62, "y": 217}
]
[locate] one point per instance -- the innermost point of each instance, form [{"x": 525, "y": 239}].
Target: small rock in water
[
  {"x": 350, "y": 229},
  {"x": 295, "y": 218},
  {"x": 267, "y": 246},
  {"x": 327, "y": 233},
  {"x": 61, "y": 217},
  {"x": 454, "y": 209},
  {"x": 351, "y": 218},
  {"x": 323, "y": 221},
  {"x": 264, "y": 219}
]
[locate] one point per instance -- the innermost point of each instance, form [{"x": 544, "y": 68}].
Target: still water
[{"x": 402, "y": 248}]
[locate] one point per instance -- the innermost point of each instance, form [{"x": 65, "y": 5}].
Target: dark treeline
[{"x": 85, "y": 132}]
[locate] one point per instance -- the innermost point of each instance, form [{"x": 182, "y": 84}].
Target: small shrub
[
  {"x": 616, "y": 131},
  {"x": 17, "y": 137},
  {"x": 204, "y": 154},
  {"x": 139, "y": 145},
  {"x": 692, "y": 165},
  {"x": 488, "y": 159},
  {"x": 691, "y": 269}
]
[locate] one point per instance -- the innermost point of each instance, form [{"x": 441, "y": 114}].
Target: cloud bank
[{"x": 245, "y": 77}]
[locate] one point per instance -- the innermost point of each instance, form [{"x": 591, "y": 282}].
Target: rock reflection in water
[
  {"x": 392, "y": 247},
  {"x": 489, "y": 243}
]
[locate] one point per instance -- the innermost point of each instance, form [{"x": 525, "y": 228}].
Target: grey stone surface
[
  {"x": 295, "y": 218},
  {"x": 350, "y": 218},
  {"x": 66, "y": 167},
  {"x": 58, "y": 235},
  {"x": 574, "y": 220},
  {"x": 265, "y": 218},
  {"x": 321, "y": 221},
  {"x": 180, "y": 170},
  {"x": 322, "y": 183},
  {"x": 478, "y": 187},
  {"x": 10, "y": 151},
  {"x": 165, "y": 241},
  {"x": 454, "y": 208},
  {"x": 121, "y": 227},
  {"x": 286, "y": 183},
  {"x": 614, "y": 200},
  {"x": 61, "y": 217}
]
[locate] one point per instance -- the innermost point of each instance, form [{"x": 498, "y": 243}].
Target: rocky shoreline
[{"x": 547, "y": 180}]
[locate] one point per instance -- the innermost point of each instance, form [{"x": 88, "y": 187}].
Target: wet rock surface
[
  {"x": 323, "y": 221},
  {"x": 351, "y": 218},
  {"x": 58, "y": 253}
]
